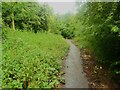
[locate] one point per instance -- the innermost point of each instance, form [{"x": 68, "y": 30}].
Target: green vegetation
[
  {"x": 67, "y": 28},
  {"x": 27, "y": 58},
  {"x": 33, "y": 46},
  {"x": 26, "y": 15},
  {"x": 0, "y": 60},
  {"x": 35, "y": 17},
  {"x": 98, "y": 28},
  {"x": 30, "y": 57}
]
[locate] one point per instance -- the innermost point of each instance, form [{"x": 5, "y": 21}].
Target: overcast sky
[{"x": 61, "y": 6}]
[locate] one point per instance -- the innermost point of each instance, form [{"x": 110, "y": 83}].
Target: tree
[
  {"x": 26, "y": 15},
  {"x": 99, "y": 29}
]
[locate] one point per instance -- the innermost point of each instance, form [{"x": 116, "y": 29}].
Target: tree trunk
[{"x": 13, "y": 22}]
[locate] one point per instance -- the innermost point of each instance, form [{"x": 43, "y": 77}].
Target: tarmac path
[{"x": 74, "y": 75}]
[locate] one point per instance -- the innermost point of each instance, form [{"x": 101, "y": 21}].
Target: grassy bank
[{"x": 35, "y": 58}]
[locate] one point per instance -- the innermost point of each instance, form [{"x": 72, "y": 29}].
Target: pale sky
[{"x": 61, "y": 6}]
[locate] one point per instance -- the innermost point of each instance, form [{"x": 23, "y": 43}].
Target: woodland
[{"x": 34, "y": 45}]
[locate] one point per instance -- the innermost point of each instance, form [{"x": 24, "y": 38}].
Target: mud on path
[{"x": 74, "y": 75}]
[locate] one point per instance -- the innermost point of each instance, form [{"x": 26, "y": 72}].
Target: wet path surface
[{"x": 74, "y": 76}]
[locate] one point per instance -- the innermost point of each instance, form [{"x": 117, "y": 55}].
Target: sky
[
  {"x": 61, "y": 7},
  {"x": 67, "y": 6}
]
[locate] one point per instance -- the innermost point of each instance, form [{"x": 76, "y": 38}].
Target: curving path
[{"x": 74, "y": 76}]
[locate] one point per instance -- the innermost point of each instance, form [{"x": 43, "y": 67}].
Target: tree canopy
[
  {"x": 98, "y": 28},
  {"x": 26, "y": 15}
]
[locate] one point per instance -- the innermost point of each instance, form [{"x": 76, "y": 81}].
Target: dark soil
[{"x": 98, "y": 75}]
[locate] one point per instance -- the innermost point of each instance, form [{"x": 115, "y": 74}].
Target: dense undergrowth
[
  {"x": 98, "y": 29},
  {"x": 31, "y": 57},
  {"x": 0, "y": 58}
]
